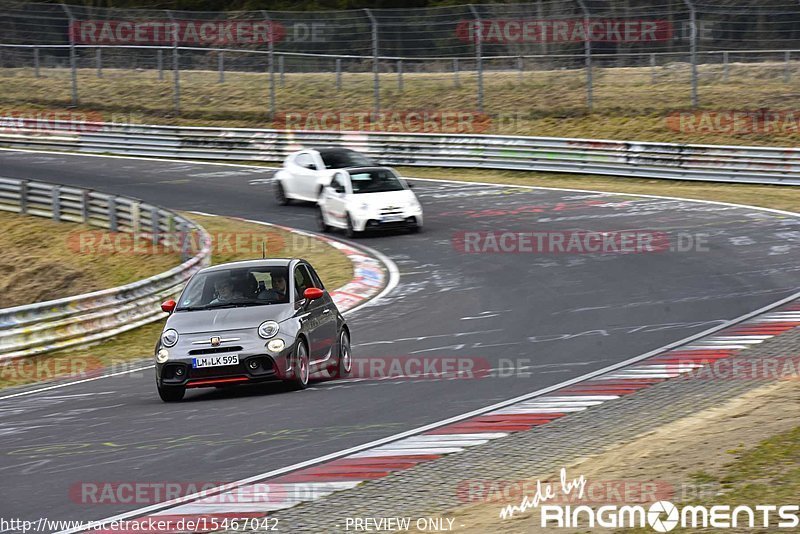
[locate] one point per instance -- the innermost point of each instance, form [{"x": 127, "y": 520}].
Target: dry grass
[
  {"x": 123, "y": 351},
  {"x": 630, "y": 103}
]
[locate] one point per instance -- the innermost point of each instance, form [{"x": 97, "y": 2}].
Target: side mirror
[
  {"x": 311, "y": 166},
  {"x": 168, "y": 306},
  {"x": 312, "y": 293}
]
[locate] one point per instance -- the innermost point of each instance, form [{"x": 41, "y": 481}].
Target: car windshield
[
  {"x": 235, "y": 287},
  {"x": 340, "y": 159},
  {"x": 375, "y": 181}
]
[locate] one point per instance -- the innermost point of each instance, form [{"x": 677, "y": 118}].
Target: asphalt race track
[{"x": 554, "y": 316}]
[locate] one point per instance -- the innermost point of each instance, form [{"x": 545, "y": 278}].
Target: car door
[
  {"x": 336, "y": 199},
  {"x": 306, "y": 174},
  {"x": 312, "y": 314},
  {"x": 329, "y": 326}
]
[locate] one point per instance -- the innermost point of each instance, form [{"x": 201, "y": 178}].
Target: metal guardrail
[
  {"x": 56, "y": 324},
  {"x": 741, "y": 164}
]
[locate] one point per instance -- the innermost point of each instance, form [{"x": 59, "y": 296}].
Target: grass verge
[{"x": 233, "y": 240}]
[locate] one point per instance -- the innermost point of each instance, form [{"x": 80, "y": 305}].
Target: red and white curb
[{"x": 257, "y": 498}]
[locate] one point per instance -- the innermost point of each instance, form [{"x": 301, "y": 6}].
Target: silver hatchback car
[{"x": 250, "y": 321}]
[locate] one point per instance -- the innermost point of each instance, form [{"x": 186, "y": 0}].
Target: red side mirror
[
  {"x": 312, "y": 293},
  {"x": 168, "y": 306}
]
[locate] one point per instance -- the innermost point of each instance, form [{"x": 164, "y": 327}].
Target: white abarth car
[
  {"x": 368, "y": 198},
  {"x": 307, "y": 171}
]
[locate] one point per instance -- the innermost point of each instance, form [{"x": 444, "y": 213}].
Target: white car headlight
[
  {"x": 276, "y": 345},
  {"x": 162, "y": 355},
  {"x": 268, "y": 329},
  {"x": 169, "y": 337}
]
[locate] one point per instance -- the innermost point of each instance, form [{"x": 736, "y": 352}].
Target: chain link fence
[{"x": 597, "y": 52}]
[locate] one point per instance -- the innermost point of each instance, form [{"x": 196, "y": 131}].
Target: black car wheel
[
  {"x": 321, "y": 224},
  {"x": 344, "y": 362},
  {"x": 280, "y": 194},
  {"x": 350, "y": 232},
  {"x": 300, "y": 370},
  {"x": 171, "y": 393}
]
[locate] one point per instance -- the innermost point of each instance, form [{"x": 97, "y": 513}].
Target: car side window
[
  {"x": 315, "y": 278},
  {"x": 304, "y": 160},
  {"x": 302, "y": 280}
]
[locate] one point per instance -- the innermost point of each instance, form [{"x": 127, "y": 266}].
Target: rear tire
[
  {"x": 300, "y": 371},
  {"x": 171, "y": 393},
  {"x": 321, "y": 224},
  {"x": 345, "y": 360},
  {"x": 280, "y": 194}
]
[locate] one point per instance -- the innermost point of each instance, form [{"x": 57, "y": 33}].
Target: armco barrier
[
  {"x": 619, "y": 158},
  {"x": 44, "y": 326}
]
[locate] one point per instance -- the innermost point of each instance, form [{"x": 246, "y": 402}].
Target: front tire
[
  {"x": 280, "y": 194},
  {"x": 345, "y": 360},
  {"x": 300, "y": 371},
  {"x": 350, "y": 232},
  {"x": 171, "y": 393}
]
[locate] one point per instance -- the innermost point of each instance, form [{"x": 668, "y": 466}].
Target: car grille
[
  {"x": 214, "y": 350},
  {"x": 214, "y": 372},
  {"x": 391, "y": 211}
]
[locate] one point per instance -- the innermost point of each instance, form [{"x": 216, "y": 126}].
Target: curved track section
[{"x": 530, "y": 320}]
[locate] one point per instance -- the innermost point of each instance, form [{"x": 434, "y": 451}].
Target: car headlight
[
  {"x": 268, "y": 329},
  {"x": 162, "y": 355},
  {"x": 169, "y": 337},
  {"x": 276, "y": 345}
]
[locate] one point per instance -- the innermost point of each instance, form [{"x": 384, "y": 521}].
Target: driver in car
[
  {"x": 225, "y": 292},
  {"x": 278, "y": 290}
]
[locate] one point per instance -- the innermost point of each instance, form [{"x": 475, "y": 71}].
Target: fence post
[
  {"x": 160, "y": 62},
  {"x": 338, "y": 74},
  {"x": 98, "y": 62},
  {"x": 73, "y": 59},
  {"x": 281, "y": 71},
  {"x": 376, "y": 84},
  {"x": 725, "y": 66},
  {"x": 587, "y": 51},
  {"x": 271, "y": 65},
  {"x": 221, "y": 66},
  {"x": 478, "y": 53},
  {"x": 520, "y": 67},
  {"x": 787, "y": 75},
  {"x": 36, "y": 61},
  {"x": 176, "y": 71},
  {"x": 400, "y": 75},
  {"x": 456, "y": 82},
  {"x": 693, "y": 48}
]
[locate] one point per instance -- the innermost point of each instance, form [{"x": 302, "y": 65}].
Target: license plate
[
  {"x": 391, "y": 218},
  {"x": 215, "y": 361}
]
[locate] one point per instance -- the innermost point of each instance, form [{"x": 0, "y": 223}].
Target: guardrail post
[
  {"x": 23, "y": 197},
  {"x": 456, "y": 82},
  {"x": 725, "y": 66},
  {"x": 587, "y": 53},
  {"x": 787, "y": 74},
  {"x": 652, "y": 69},
  {"x": 36, "y": 61},
  {"x": 221, "y": 66},
  {"x": 136, "y": 227},
  {"x": 400, "y": 75},
  {"x": 176, "y": 69},
  {"x": 154, "y": 229},
  {"x": 73, "y": 59},
  {"x": 376, "y": 84},
  {"x": 271, "y": 65},
  {"x": 160, "y": 63},
  {"x": 85, "y": 200},
  {"x": 56, "y": 202},
  {"x": 478, "y": 53},
  {"x": 338, "y": 74},
  {"x": 693, "y": 49},
  {"x": 98, "y": 62},
  {"x": 112, "y": 214}
]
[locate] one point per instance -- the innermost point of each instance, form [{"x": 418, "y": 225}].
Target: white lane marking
[{"x": 58, "y": 386}]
